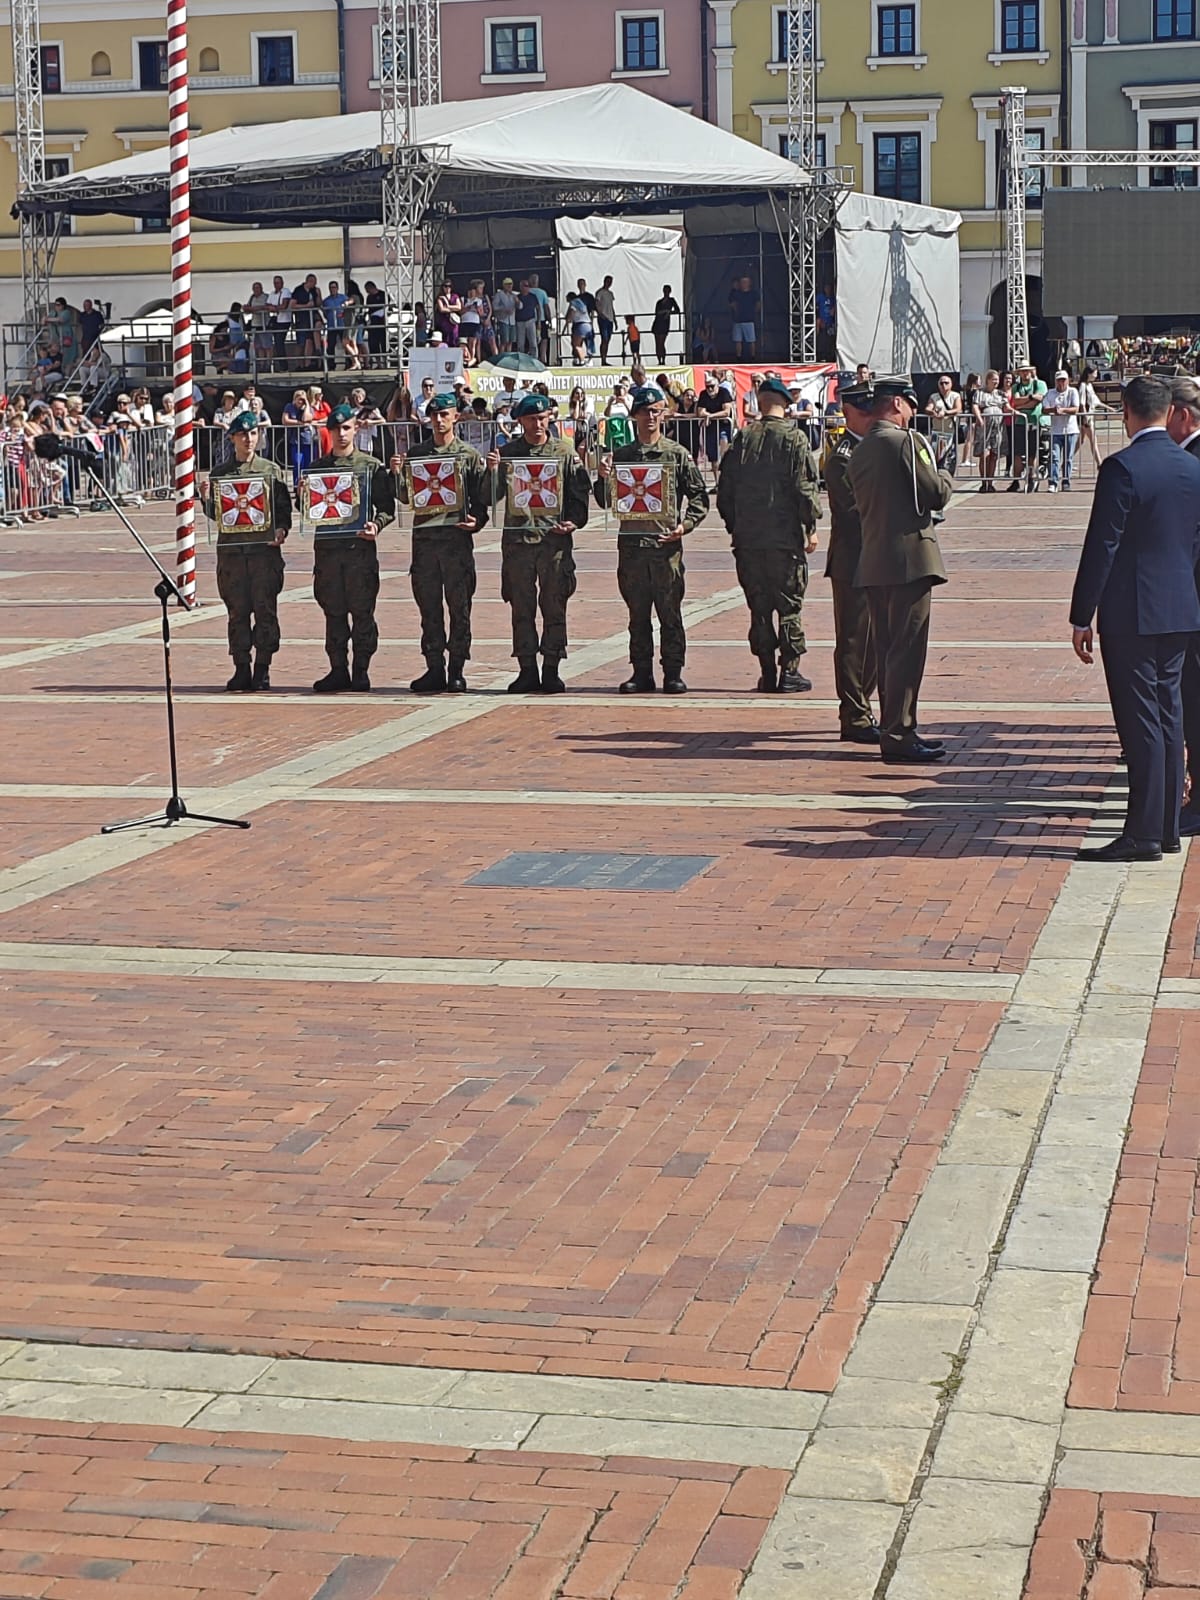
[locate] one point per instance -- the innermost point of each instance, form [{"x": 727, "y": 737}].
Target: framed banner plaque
[
  {"x": 244, "y": 510},
  {"x": 643, "y": 494},
  {"x": 435, "y": 486},
  {"x": 535, "y": 489},
  {"x": 335, "y": 505}
]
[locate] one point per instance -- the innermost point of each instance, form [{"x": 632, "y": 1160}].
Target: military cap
[
  {"x": 898, "y": 388},
  {"x": 647, "y": 394},
  {"x": 342, "y": 413},
  {"x": 859, "y": 395},
  {"x": 443, "y": 402},
  {"x": 776, "y": 387},
  {"x": 531, "y": 405},
  {"x": 244, "y": 422}
]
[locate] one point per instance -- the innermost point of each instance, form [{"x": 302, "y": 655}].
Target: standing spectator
[
  {"x": 862, "y": 375},
  {"x": 543, "y": 300},
  {"x": 448, "y": 313},
  {"x": 352, "y": 314},
  {"x": 606, "y": 317},
  {"x": 510, "y": 393},
  {"x": 421, "y": 405},
  {"x": 222, "y": 447},
  {"x": 527, "y": 321},
  {"x": 64, "y": 324},
  {"x": 504, "y": 310},
  {"x": 140, "y": 408},
  {"x": 257, "y": 305},
  {"x": 744, "y": 307},
  {"x": 367, "y": 420},
  {"x": 420, "y": 325},
  {"x": 802, "y": 410},
  {"x": 279, "y": 318},
  {"x": 944, "y": 407},
  {"x": 684, "y": 424},
  {"x": 665, "y": 307},
  {"x": 966, "y": 427},
  {"x": 306, "y": 302},
  {"x": 471, "y": 326},
  {"x": 1062, "y": 407},
  {"x": 239, "y": 348},
  {"x": 319, "y": 409},
  {"x": 633, "y": 339},
  {"x": 704, "y": 343},
  {"x": 716, "y": 408},
  {"x": 1089, "y": 407},
  {"x": 91, "y": 326},
  {"x": 589, "y": 301},
  {"x": 376, "y": 306},
  {"x": 826, "y": 314},
  {"x": 1028, "y": 393},
  {"x": 578, "y": 324},
  {"x": 333, "y": 308},
  {"x": 301, "y": 436},
  {"x": 988, "y": 413}
]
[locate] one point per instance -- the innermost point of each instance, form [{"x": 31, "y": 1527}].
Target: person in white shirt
[
  {"x": 945, "y": 406},
  {"x": 1089, "y": 407},
  {"x": 511, "y": 393},
  {"x": 279, "y": 317},
  {"x": 1061, "y": 405},
  {"x": 504, "y": 316},
  {"x": 989, "y": 429}
]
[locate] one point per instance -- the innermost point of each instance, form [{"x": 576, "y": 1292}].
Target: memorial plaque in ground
[{"x": 588, "y": 869}]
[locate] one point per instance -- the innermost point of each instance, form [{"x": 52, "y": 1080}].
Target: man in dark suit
[
  {"x": 1137, "y": 569},
  {"x": 1183, "y": 424}
]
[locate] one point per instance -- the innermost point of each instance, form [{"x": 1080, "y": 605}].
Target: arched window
[
  {"x": 210, "y": 61},
  {"x": 101, "y": 65}
]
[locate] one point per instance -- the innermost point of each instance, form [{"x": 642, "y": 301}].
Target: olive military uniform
[
  {"x": 250, "y": 570},
  {"x": 443, "y": 556},
  {"x": 767, "y": 499},
  {"x": 897, "y": 487},
  {"x": 650, "y": 574},
  {"x": 346, "y": 570},
  {"x": 537, "y": 565},
  {"x": 854, "y": 674}
]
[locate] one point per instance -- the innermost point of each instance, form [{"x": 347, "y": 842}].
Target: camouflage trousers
[
  {"x": 651, "y": 581},
  {"x": 346, "y": 585},
  {"x": 443, "y": 580},
  {"x": 774, "y": 583},
  {"x": 249, "y": 579},
  {"x": 537, "y": 577}
]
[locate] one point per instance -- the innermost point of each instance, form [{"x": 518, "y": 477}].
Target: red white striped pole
[{"x": 181, "y": 297}]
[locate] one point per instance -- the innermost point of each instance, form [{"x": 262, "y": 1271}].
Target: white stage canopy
[
  {"x": 898, "y": 288},
  {"x": 609, "y": 144},
  {"x": 641, "y": 259}
]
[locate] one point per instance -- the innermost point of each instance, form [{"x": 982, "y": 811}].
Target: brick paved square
[
  {"x": 1116, "y": 1547},
  {"x": 702, "y": 1188}
]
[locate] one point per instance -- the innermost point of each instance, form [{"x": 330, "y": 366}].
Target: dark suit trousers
[
  {"x": 854, "y": 674},
  {"x": 900, "y": 626},
  {"x": 1191, "y": 716},
  {"x": 1144, "y": 674}
]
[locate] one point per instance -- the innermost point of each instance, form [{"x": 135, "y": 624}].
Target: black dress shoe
[
  {"x": 1121, "y": 849},
  {"x": 865, "y": 735},
  {"x": 1171, "y": 847},
  {"x": 673, "y": 683},
  {"x": 933, "y": 744},
  {"x": 639, "y": 683},
  {"x": 913, "y": 751}
]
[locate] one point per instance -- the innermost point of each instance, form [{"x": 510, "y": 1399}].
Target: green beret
[
  {"x": 244, "y": 422},
  {"x": 443, "y": 402},
  {"x": 895, "y": 389},
  {"x": 342, "y": 413},
  {"x": 533, "y": 405},
  {"x": 776, "y": 387},
  {"x": 646, "y": 394},
  {"x": 859, "y": 395}
]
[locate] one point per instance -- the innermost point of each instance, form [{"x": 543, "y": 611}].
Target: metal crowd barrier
[
  {"x": 1011, "y": 448},
  {"x": 135, "y": 464}
]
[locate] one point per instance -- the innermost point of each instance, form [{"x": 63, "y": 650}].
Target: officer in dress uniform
[
  {"x": 650, "y": 570},
  {"x": 346, "y": 569},
  {"x": 767, "y": 498},
  {"x": 897, "y": 488},
  {"x": 854, "y": 674},
  {"x": 443, "y": 551},
  {"x": 250, "y": 561},
  {"x": 537, "y": 561}
]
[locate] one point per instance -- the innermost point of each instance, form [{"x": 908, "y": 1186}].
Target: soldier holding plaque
[
  {"x": 648, "y": 483},
  {"x": 346, "y": 498},
  {"x": 448, "y": 485},
  {"x": 250, "y": 501},
  {"x": 546, "y": 491}
]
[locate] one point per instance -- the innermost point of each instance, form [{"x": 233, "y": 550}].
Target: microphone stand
[{"x": 165, "y": 590}]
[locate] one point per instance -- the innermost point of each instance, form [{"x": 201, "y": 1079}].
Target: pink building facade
[{"x": 497, "y": 47}]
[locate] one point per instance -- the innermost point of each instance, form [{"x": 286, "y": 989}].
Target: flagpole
[{"x": 181, "y": 297}]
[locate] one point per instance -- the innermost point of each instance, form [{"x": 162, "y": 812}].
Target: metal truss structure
[
  {"x": 803, "y": 222},
  {"x": 39, "y": 234},
  {"x": 1018, "y": 161},
  {"x": 410, "y": 75}
]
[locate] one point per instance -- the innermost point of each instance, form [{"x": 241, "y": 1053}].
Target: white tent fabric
[
  {"x": 605, "y": 134},
  {"x": 640, "y": 259},
  {"x": 898, "y": 286}
]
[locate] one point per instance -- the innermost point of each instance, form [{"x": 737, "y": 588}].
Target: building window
[
  {"x": 57, "y": 167},
  {"x": 276, "y": 59},
  {"x": 152, "y": 63},
  {"x": 101, "y": 65},
  {"x": 1174, "y": 19},
  {"x": 789, "y": 149},
  {"x": 210, "y": 61},
  {"x": 50, "y": 69},
  {"x": 1173, "y": 136},
  {"x": 156, "y": 224},
  {"x": 1020, "y": 27},
  {"x": 514, "y": 48},
  {"x": 383, "y": 48},
  {"x": 897, "y": 30},
  {"x": 898, "y": 166},
  {"x": 1035, "y": 177},
  {"x": 781, "y": 42},
  {"x": 641, "y": 44}
]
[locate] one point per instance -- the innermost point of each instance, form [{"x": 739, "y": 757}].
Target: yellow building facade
[
  {"x": 909, "y": 97},
  {"x": 103, "y": 72}
]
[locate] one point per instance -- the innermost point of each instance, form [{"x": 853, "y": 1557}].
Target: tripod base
[{"x": 174, "y": 811}]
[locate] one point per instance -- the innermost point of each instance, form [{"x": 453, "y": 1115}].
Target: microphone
[{"x": 49, "y": 447}]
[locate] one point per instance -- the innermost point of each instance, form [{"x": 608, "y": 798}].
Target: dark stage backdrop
[{"x": 1121, "y": 252}]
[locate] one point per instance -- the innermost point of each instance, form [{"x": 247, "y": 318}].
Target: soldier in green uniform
[
  {"x": 443, "y": 551},
  {"x": 345, "y": 569},
  {"x": 767, "y": 499},
  {"x": 650, "y": 570},
  {"x": 537, "y": 560},
  {"x": 250, "y": 561},
  {"x": 897, "y": 488},
  {"x": 854, "y": 674}
]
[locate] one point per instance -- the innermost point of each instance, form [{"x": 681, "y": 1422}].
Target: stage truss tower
[
  {"x": 804, "y": 210},
  {"x": 39, "y": 234}
]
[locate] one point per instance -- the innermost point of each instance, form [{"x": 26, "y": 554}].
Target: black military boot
[
  {"x": 551, "y": 682},
  {"x": 433, "y": 679},
  {"x": 360, "y": 682},
  {"x": 528, "y": 680},
  {"x": 335, "y": 681},
  {"x": 641, "y": 681},
  {"x": 792, "y": 680},
  {"x": 673, "y": 681},
  {"x": 262, "y": 672},
  {"x": 241, "y": 680},
  {"x": 769, "y": 681},
  {"x": 455, "y": 681}
]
